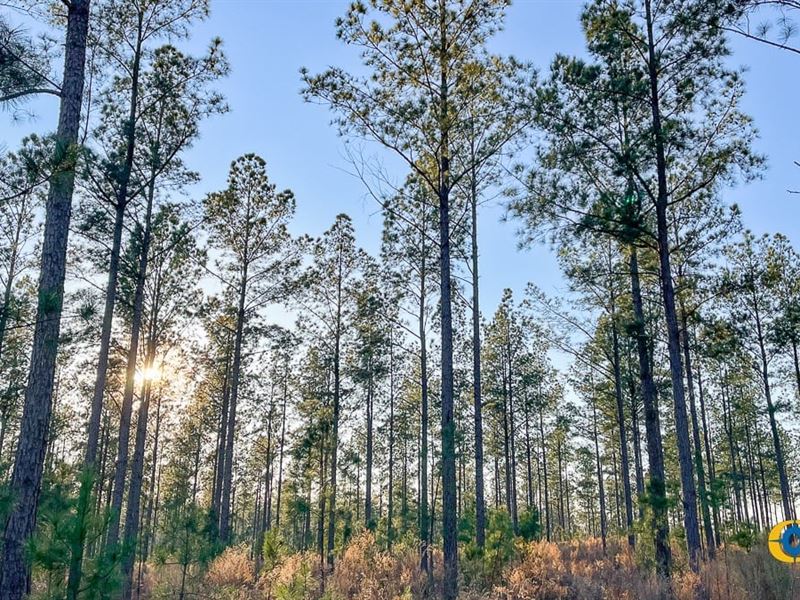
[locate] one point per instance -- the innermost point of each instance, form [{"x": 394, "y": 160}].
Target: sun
[{"x": 149, "y": 374}]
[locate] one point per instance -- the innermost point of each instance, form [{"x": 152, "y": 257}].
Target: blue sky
[{"x": 267, "y": 41}]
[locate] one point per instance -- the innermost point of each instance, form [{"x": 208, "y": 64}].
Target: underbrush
[{"x": 577, "y": 570}]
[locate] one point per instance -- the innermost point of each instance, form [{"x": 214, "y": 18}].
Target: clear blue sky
[{"x": 267, "y": 41}]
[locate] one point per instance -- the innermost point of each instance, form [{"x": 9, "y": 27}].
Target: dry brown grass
[
  {"x": 365, "y": 572},
  {"x": 231, "y": 568},
  {"x": 540, "y": 571},
  {"x": 737, "y": 574},
  {"x": 580, "y": 571}
]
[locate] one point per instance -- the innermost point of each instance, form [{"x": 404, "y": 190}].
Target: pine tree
[
  {"x": 248, "y": 223},
  {"x": 27, "y": 475}
]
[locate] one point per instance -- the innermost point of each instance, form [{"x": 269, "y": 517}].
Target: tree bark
[
  {"x": 709, "y": 456},
  {"x": 480, "y": 503},
  {"x": 698, "y": 448},
  {"x": 623, "y": 435},
  {"x": 222, "y": 436},
  {"x": 689, "y": 500},
  {"x": 282, "y": 444},
  {"x": 236, "y": 366},
  {"x": 123, "y": 439},
  {"x": 656, "y": 486},
  {"x": 368, "y": 474},
  {"x": 390, "y": 491},
  {"x": 131, "y": 530},
  {"x": 600, "y": 486},
  {"x": 449, "y": 525},
  {"x": 423, "y": 458},
  {"x": 788, "y": 509},
  {"x": 337, "y": 390},
  {"x": 26, "y": 477},
  {"x": 544, "y": 468}
]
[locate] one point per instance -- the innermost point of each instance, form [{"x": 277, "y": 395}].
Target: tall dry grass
[{"x": 538, "y": 571}]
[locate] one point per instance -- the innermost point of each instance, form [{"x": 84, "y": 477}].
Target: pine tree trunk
[
  {"x": 93, "y": 431},
  {"x": 600, "y": 486},
  {"x": 506, "y": 443},
  {"x": 336, "y": 415},
  {"x": 105, "y": 338},
  {"x": 656, "y": 486},
  {"x": 423, "y": 451},
  {"x": 727, "y": 421},
  {"x": 135, "y": 490},
  {"x": 390, "y": 491},
  {"x": 368, "y": 475},
  {"x": 636, "y": 435},
  {"x": 528, "y": 458},
  {"x": 480, "y": 503},
  {"x": 26, "y": 478},
  {"x": 512, "y": 430},
  {"x": 236, "y": 367},
  {"x": 222, "y": 436},
  {"x": 623, "y": 435},
  {"x": 449, "y": 525},
  {"x": 121, "y": 201},
  {"x": 323, "y": 492},
  {"x": 151, "y": 503},
  {"x": 282, "y": 445},
  {"x": 788, "y": 509},
  {"x": 689, "y": 500},
  {"x": 544, "y": 475},
  {"x": 698, "y": 449},
  {"x": 709, "y": 456},
  {"x": 123, "y": 439}
]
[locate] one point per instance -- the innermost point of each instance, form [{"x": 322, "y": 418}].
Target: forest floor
[{"x": 578, "y": 570}]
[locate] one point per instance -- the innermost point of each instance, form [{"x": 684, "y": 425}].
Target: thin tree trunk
[
  {"x": 93, "y": 430},
  {"x": 698, "y": 449},
  {"x": 236, "y": 366},
  {"x": 423, "y": 450},
  {"x": 656, "y": 486},
  {"x": 544, "y": 475},
  {"x": 689, "y": 500},
  {"x": 135, "y": 489},
  {"x": 709, "y": 456},
  {"x": 600, "y": 486},
  {"x": 506, "y": 443},
  {"x": 154, "y": 473},
  {"x": 528, "y": 459},
  {"x": 449, "y": 525},
  {"x": 480, "y": 503},
  {"x": 282, "y": 444},
  {"x": 368, "y": 474},
  {"x": 222, "y": 433},
  {"x": 323, "y": 492},
  {"x": 788, "y": 509},
  {"x": 623, "y": 436},
  {"x": 336, "y": 415},
  {"x": 390, "y": 491},
  {"x": 512, "y": 430},
  {"x": 123, "y": 439}
]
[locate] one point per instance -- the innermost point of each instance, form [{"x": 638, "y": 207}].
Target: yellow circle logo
[{"x": 784, "y": 541}]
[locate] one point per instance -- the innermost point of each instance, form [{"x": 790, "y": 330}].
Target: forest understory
[{"x": 536, "y": 570}]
